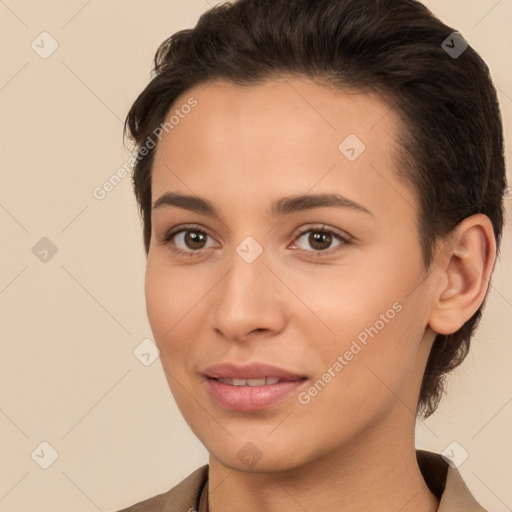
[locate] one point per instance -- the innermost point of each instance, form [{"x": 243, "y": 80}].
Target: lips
[
  {"x": 252, "y": 387},
  {"x": 265, "y": 381},
  {"x": 250, "y": 372}
]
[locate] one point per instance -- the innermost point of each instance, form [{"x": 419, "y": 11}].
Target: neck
[{"x": 376, "y": 472}]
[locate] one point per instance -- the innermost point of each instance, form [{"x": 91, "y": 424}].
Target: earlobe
[{"x": 465, "y": 264}]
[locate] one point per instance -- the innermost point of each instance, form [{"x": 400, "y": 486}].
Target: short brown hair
[{"x": 451, "y": 150}]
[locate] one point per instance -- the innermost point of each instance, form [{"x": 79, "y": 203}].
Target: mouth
[
  {"x": 252, "y": 387},
  {"x": 265, "y": 381},
  {"x": 253, "y": 374}
]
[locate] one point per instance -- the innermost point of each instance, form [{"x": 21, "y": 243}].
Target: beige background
[{"x": 69, "y": 326}]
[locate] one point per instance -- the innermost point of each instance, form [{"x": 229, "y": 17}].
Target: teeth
[{"x": 250, "y": 382}]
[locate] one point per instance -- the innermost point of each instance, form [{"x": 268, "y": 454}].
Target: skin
[{"x": 351, "y": 447}]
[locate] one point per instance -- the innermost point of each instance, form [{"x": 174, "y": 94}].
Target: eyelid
[{"x": 183, "y": 227}]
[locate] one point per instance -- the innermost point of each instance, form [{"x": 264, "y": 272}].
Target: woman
[{"x": 321, "y": 187}]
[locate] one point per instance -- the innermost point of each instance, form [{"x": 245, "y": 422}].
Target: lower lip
[{"x": 251, "y": 398}]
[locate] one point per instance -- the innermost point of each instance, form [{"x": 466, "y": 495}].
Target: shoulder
[
  {"x": 445, "y": 481},
  {"x": 457, "y": 495},
  {"x": 182, "y": 497}
]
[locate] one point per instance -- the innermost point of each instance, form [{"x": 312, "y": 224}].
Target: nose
[{"x": 249, "y": 301}]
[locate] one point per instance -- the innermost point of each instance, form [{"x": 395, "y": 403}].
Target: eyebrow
[{"x": 280, "y": 207}]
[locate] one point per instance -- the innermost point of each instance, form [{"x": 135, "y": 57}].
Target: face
[{"x": 332, "y": 291}]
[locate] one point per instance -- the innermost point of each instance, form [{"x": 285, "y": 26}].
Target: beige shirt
[{"x": 445, "y": 482}]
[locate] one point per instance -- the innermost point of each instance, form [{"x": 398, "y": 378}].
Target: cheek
[
  {"x": 386, "y": 364},
  {"x": 365, "y": 315},
  {"x": 168, "y": 301},
  {"x": 341, "y": 302},
  {"x": 171, "y": 293},
  {"x": 158, "y": 301},
  {"x": 360, "y": 378}
]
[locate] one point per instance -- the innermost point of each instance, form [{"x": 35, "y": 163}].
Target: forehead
[
  {"x": 299, "y": 106},
  {"x": 287, "y": 135}
]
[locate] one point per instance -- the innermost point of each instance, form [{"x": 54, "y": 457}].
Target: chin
[
  {"x": 256, "y": 454},
  {"x": 274, "y": 463}
]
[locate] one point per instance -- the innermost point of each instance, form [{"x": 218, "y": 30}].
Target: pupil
[
  {"x": 193, "y": 238},
  {"x": 319, "y": 237}
]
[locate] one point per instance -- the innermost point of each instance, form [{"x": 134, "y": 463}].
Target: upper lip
[{"x": 249, "y": 371}]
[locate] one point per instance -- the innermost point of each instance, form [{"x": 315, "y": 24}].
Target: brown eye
[
  {"x": 189, "y": 241},
  {"x": 195, "y": 239},
  {"x": 320, "y": 240}
]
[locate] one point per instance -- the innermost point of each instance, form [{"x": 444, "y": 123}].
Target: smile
[
  {"x": 251, "y": 394},
  {"x": 250, "y": 382}
]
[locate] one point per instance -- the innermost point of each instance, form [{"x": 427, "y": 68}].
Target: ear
[{"x": 464, "y": 263}]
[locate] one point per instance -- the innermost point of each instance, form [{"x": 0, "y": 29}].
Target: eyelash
[{"x": 191, "y": 254}]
